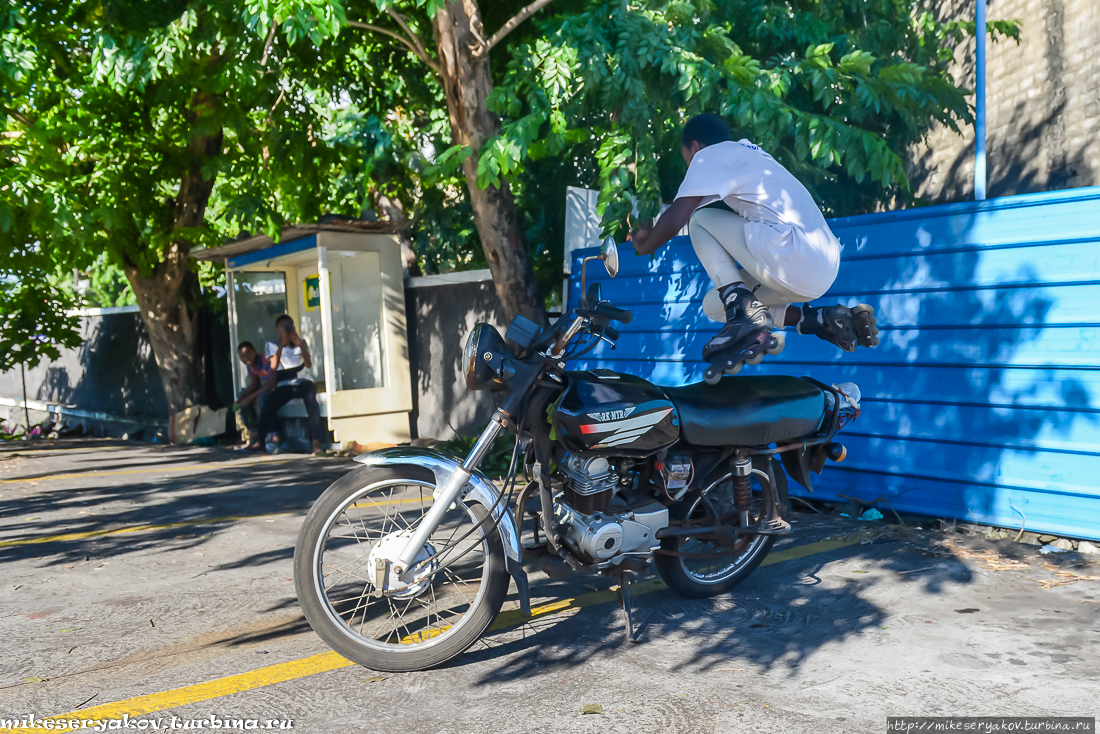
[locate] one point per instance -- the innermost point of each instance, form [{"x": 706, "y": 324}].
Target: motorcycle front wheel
[
  {"x": 698, "y": 567},
  {"x": 366, "y": 613}
]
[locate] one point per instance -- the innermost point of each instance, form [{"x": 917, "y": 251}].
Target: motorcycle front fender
[{"x": 478, "y": 489}]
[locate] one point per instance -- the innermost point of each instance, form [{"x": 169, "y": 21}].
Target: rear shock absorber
[{"x": 742, "y": 489}]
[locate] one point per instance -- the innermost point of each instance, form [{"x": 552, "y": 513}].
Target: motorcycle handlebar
[{"x": 605, "y": 309}]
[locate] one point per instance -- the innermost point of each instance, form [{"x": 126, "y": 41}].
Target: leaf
[{"x": 592, "y": 708}]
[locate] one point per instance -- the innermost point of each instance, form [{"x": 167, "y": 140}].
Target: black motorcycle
[{"x": 404, "y": 562}]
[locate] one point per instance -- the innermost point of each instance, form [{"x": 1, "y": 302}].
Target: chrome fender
[{"x": 479, "y": 489}]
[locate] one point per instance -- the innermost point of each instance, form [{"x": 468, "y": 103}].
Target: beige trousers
[{"x": 718, "y": 237}]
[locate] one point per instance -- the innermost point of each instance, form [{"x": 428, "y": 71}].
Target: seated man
[
  {"x": 765, "y": 245},
  {"x": 289, "y": 356},
  {"x": 261, "y": 381}
]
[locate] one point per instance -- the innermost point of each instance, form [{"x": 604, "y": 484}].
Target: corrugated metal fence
[{"x": 982, "y": 402}]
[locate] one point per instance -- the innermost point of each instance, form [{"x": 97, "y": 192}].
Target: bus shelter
[{"x": 342, "y": 284}]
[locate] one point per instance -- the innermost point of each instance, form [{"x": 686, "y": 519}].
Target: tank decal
[{"x": 629, "y": 429}]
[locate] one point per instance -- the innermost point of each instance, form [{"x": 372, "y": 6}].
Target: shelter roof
[{"x": 244, "y": 246}]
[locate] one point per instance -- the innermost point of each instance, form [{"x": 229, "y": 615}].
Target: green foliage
[
  {"x": 33, "y": 321},
  {"x": 836, "y": 90},
  {"x": 102, "y": 105},
  {"x": 497, "y": 459}
]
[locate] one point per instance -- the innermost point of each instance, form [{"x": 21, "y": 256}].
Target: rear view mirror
[{"x": 610, "y": 256}]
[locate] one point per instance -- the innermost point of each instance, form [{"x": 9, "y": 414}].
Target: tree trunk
[
  {"x": 467, "y": 83},
  {"x": 165, "y": 294}
]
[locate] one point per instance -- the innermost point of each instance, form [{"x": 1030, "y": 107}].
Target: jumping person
[
  {"x": 763, "y": 242},
  {"x": 289, "y": 356}
]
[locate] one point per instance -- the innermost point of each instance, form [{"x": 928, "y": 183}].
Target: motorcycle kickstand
[{"x": 624, "y": 604}]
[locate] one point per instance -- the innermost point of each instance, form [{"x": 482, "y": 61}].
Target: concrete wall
[
  {"x": 441, "y": 312},
  {"x": 114, "y": 373},
  {"x": 1043, "y": 100}
]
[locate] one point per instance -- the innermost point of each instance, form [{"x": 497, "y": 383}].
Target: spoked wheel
[
  {"x": 699, "y": 567},
  {"x": 367, "y": 613}
]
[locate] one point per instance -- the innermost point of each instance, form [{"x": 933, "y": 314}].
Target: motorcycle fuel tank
[{"x": 605, "y": 412}]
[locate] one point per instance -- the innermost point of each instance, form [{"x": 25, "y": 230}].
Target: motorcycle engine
[{"x": 589, "y": 485}]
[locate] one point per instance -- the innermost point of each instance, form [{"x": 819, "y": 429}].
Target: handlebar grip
[
  {"x": 611, "y": 333},
  {"x": 618, "y": 314}
]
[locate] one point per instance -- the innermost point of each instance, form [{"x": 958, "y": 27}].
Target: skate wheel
[
  {"x": 868, "y": 309},
  {"x": 712, "y": 377},
  {"x": 757, "y": 359},
  {"x": 776, "y": 343},
  {"x": 735, "y": 369}
]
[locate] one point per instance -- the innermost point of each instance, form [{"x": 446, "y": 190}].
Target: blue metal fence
[{"x": 982, "y": 402}]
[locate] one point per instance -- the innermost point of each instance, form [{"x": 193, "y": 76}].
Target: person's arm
[
  {"x": 649, "y": 239},
  {"x": 251, "y": 390},
  {"x": 307, "y": 360}
]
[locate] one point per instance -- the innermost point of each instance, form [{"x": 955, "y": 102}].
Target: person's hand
[
  {"x": 639, "y": 235},
  {"x": 294, "y": 338}
]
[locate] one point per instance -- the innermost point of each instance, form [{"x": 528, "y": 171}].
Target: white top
[
  {"x": 786, "y": 233},
  {"x": 288, "y": 360}
]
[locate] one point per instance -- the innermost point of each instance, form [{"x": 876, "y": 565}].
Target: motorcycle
[{"x": 404, "y": 562}]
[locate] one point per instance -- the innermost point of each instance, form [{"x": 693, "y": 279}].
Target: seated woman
[{"x": 287, "y": 358}]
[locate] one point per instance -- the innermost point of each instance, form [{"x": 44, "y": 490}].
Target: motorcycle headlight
[{"x": 484, "y": 358}]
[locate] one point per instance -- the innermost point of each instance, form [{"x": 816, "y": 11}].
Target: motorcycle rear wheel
[
  {"x": 421, "y": 621},
  {"x": 719, "y": 568}
]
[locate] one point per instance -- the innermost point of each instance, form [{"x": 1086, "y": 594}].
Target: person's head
[
  {"x": 701, "y": 131},
  {"x": 284, "y": 324},
  {"x": 246, "y": 352}
]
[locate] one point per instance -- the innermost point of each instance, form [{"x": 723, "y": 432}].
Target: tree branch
[
  {"x": 423, "y": 53},
  {"x": 267, "y": 44},
  {"x": 515, "y": 21},
  {"x": 17, "y": 116},
  {"x": 416, "y": 48}
]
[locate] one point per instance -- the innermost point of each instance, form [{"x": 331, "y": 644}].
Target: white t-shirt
[
  {"x": 288, "y": 360},
  {"x": 786, "y": 233}
]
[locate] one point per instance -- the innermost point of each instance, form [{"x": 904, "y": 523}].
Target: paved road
[{"x": 155, "y": 582}]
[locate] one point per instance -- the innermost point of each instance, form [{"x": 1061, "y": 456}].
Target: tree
[
  {"x": 33, "y": 321},
  {"x": 124, "y": 121},
  {"x": 461, "y": 61},
  {"x": 836, "y": 89}
]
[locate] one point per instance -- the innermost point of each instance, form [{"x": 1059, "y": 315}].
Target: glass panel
[
  {"x": 357, "y": 319},
  {"x": 309, "y": 326},
  {"x": 261, "y": 298}
]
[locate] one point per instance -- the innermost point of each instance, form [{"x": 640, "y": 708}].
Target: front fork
[{"x": 446, "y": 495}]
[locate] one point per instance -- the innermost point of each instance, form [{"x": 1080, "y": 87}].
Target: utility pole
[{"x": 979, "y": 104}]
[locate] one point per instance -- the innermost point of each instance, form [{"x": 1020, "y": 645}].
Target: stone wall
[{"x": 1043, "y": 100}]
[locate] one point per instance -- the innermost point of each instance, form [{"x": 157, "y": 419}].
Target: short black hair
[
  {"x": 242, "y": 345},
  {"x": 284, "y": 317},
  {"x": 706, "y": 130}
]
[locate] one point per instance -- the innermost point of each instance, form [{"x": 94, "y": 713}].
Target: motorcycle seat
[{"x": 748, "y": 411}]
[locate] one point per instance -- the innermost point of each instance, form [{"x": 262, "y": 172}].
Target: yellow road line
[
  {"x": 168, "y": 526},
  {"x": 324, "y": 662},
  {"x": 22, "y": 452},
  {"x": 231, "y": 464},
  {"x": 204, "y": 691},
  {"x": 130, "y": 529}
]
